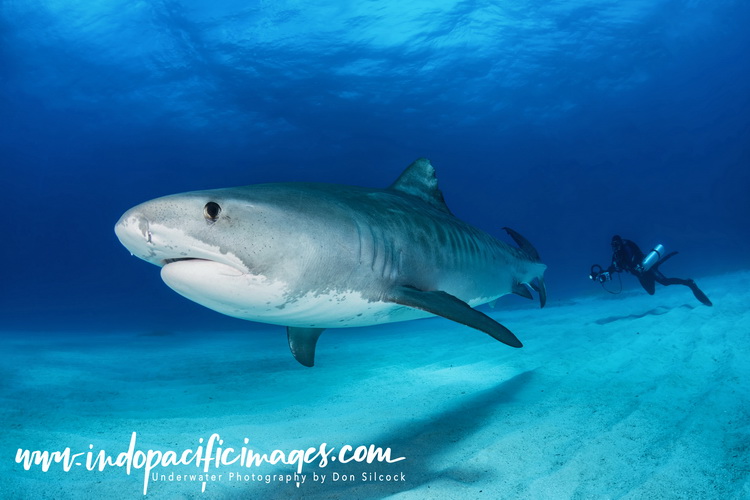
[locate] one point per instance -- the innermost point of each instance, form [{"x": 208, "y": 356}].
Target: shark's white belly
[{"x": 256, "y": 298}]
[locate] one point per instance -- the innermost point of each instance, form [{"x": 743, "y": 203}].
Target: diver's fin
[
  {"x": 524, "y": 245},
  {"x": 446, "y": 305},
  {"x": 302, "y": 343},
  {"x": 419, "y": 180},
  {"x": 699, "y": 294},
  {"x": 541, "y": 289},
  {"x": 520, "y": 289}
]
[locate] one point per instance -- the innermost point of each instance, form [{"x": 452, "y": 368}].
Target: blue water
[{"x": 568, "y": 121}]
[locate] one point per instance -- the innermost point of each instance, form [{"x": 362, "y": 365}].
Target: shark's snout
[
  {"x": 162, "y": 242},
  {"x": 133, "y": 231}
]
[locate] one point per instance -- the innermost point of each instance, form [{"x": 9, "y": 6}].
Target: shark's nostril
[{"x": 143, "y": 226}]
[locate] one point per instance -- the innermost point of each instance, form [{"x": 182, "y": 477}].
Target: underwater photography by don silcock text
[{"x": 368, "y": 250}]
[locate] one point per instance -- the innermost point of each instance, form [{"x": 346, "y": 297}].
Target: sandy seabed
[{"x": 628, "y": 396}]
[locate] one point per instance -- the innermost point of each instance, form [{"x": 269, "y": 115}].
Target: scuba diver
[{"x": 628, "y": 257}]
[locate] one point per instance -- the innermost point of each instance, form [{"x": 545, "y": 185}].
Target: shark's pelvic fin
[
  {"x": 520, "y": 289},
  {"x": 302, "y": 343},
  {"x": 419, "y": 180},
  {"x": 450, "y": 307},
  {"x": 533, "y": 255}
]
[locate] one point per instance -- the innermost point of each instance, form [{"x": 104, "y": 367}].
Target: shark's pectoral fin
[
  {"x": 446, "y": 305},
  {"x": 302, "y": 343}
]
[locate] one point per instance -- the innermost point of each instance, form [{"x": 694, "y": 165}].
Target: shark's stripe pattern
[{"x": 316, "y": 256}]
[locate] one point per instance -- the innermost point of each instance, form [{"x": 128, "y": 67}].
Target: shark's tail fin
[{"x": 527, "y": 248}]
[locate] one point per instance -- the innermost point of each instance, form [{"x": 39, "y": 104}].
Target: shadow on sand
[
  {"x": 422, "y": 442},
  {"x": 656, "y": 311}
]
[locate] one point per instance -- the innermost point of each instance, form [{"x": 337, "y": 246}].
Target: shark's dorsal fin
[
  {"x": 419, "y": 180},
  {"x": 302, "y": 343}
]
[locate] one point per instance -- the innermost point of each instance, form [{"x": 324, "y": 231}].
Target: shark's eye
[{"x": 211, "y": 211}]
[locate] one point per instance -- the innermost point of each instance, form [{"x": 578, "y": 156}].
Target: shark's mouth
[
  {"x": 198, "y": 265},
  {"x": 181, "y": 259}
]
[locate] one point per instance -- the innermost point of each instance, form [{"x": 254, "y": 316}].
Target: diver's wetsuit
[{"x": 627, "y": 257}]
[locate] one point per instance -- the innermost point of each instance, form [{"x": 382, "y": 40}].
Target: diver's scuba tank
[{"x": 652, "y": 258}]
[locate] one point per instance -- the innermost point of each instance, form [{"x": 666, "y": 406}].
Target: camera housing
[{"x": 599, "y": 274}]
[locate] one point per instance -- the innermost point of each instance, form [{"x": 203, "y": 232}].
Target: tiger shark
[{"x": 312, "y": 256}]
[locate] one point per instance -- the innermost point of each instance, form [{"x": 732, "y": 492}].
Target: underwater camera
[{"x": 599, "y": 274}]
